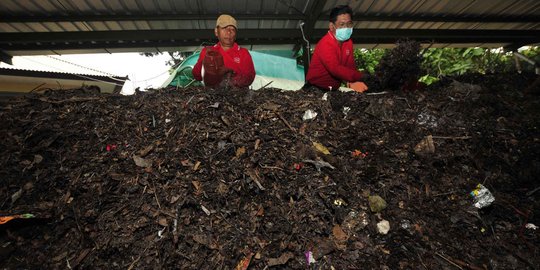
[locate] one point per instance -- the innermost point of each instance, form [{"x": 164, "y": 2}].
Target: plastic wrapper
[
  {"x": 6, "y": 219},
  {"x": 309, "y": 114},
  {"x": 482, "y": 196}
]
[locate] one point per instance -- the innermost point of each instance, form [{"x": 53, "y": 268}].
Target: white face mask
[{"x": 343, "y": 34}]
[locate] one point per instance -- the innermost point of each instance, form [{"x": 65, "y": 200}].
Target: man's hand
[
  {"x": 213, "y": 61},
  {"x": 357, "y": 86},
  {"x": 226, "y": 75},
  {"x": 225, "y": 70},
  {"x": 213, "y": 64}
]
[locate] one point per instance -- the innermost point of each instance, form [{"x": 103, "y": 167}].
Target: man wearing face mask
[
  {"x": 225, "y": 64},
  {"x": 333, "y": 59}
]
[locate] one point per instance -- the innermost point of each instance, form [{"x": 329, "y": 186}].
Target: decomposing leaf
[
  {"x": 174, "y": 198},
  {"x": 283, "y": 259},
  {"x": 16, "y": 195},
  {"x": 323, "y": 247},
  {"x": 321, "y": 148},
  {"x": 244, "y": 263},
  {"x": 38, "y": 159},
  {"x": 141, "y": 162},
  {"x": 163, "y": 222},
  {"x": 425, "y": 146},
  {"x": 271, "y": 106},
  {"x": 197, "y": 186},
  {"x": 222, "y": 188},
  {"x": 201, "y": 239},
  {"x": 240, "y": 151},
  {"x": 225, "y": 120},
  {"x": 186, "y": 163},
  {"x": 260, "y": 212},
  {"x": 197, "y": 165},
  {"x": 340, "y": 237}
]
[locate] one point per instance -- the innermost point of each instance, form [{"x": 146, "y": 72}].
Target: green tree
[{"x": 176, "y": 58}]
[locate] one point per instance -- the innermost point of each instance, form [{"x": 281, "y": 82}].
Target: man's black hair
[{"x": 339, "y": 10}]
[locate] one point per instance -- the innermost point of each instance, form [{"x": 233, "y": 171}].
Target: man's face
[
  {"x": 226, "y": 35},
  {"x": 342, "y": 21}
]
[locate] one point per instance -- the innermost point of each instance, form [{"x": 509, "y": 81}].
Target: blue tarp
[{"x": 268, "y": 64}]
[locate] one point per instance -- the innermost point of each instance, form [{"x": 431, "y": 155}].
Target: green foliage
[
  {"x": 439, "y": 62},
  {"x": 457, "y": 61},
  {"x": 427, "y": 79},
  {"x": 368, "y": 59},
  {"x": 532, "y": 53}
]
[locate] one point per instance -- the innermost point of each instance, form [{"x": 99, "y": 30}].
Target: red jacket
[
  {"x": 332, "y": 64},
  {"x": 236, "y": 58}
]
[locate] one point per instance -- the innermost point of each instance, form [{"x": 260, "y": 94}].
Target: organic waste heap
[
  {"x": 209, "y": 179},
  {"x": 399, "y": 68}
]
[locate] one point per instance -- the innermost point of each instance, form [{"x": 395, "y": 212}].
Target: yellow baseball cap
[{"x": 225, "y": 20}]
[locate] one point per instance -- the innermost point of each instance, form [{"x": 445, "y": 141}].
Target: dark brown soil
[{"x": 201, "y": 179}]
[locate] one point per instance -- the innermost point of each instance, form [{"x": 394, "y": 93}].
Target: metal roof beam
[
  {"x": 446, "y": 18},
  {"x": 313, "y": 15},
  {"x": 190, "y": 43},
  {"x": 96, "y": 36},
  {"x": 513, "y": 47},
  {"x": 142, "y": 17},
  {"x": 269, "y": 34},
  {"x": 442, "y": 35},
  {"x": 165, "y": 38},
  {"x": 148, "y": 45}
]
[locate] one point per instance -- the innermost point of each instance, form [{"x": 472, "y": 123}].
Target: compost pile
[
  {"x": 399, "y": 67},
  {"x": 211, "y": 179}
]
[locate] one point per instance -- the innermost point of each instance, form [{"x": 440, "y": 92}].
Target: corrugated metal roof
[
  {"x": 55, "y": 64},
  {"x": 55, "y": 26},
  {"x": 4, "y": 70}
]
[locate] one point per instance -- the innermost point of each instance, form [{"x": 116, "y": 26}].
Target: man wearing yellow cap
[{"x": 225, "y": 62}]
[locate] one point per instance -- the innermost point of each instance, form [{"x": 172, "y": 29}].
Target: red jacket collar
[
  {"x": 235, "y": 47},
  {"x": 332, "y": 35}
]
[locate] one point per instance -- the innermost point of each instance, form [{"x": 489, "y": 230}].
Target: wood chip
[
  {"x": 163, "y": 222},
  {"x": 283, "y": 259},
  {"x": 146, "y": 150},
  {"x": 197, "y": 165}
]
